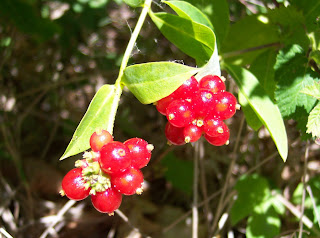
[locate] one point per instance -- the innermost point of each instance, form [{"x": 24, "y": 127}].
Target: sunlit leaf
[
  {"x": 192, "y": 38},
  {"x": 98, "y": 116},
  {"x": 187, "y": 10},
  {"x": 314, "y": 122},
  {"x": 262, "y": 105},
  {"x": 312, "y": 90},
  {"x": 152, "y": 81}
]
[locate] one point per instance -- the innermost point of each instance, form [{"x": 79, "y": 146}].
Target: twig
[
  {"x": 5, "y": 233},
  {"x": 59, "y": 217},
  {"x": 306, "y": 221},
  {"x": 306, "y": 156},
  {"x": 226, "y": 185},
  {"x": 195, "y": 215},
  {"x": 315, "y": 209}
]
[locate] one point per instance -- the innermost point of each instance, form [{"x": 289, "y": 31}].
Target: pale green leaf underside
[
  {"x": 96, "y": 117},
  {"x": 192, "y": 38},
  {"x": 150, "y": 82},
  {"x": 314, "y": 122},
  {"x": 187, "y": 10},
  {"x": 262, "y": 105},
  {"x": 312, "y": 90}
]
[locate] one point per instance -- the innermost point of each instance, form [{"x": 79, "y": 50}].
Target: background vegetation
[{"x": 55, "y": 55}]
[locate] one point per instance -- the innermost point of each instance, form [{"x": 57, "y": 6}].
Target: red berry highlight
[
  {"x": 212, "y": 83},
  {"x": 213, "y": 126},
  {"x": 99, "y": 139},
  {"x": 107, "y": 201},
  {"x": 163, "y": 103},
  {"x": 115, "y": 157},
  {"x": 192, "y": 133},
  {"x": 222, "y": 139},
  {"x": 128, "y": 182},
  {"x": 203, "y": 104},
  {"x": 140, "y": 152},
  {"x": 225, "y": 105},
  {"x": 188, "y": 89},
  {"x": 179, "y": 113},
  {"x": 73, "y": 185}
]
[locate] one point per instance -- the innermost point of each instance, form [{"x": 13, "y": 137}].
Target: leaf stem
[{"x": 126, "y": 56}]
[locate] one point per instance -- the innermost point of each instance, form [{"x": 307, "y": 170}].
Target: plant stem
[
  {"x": 126, "y": 56},
  {"x": 195, "y": 215}
]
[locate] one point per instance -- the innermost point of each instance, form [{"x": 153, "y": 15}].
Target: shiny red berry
[
  {"x": 174, "y": 134},
  {"x": 107, "y": 201},
  {"x": 203, "y": 103},
  {"x": 180, "y": 113},
  {"x": 163, "y": 103},
  {"x": 221, "y": 139},
  {"x": 188, "y": 89},
  {"x": 225, "y": 105},
  {"x": 140, "y": 152},
  {"x": 73, "y": 185},
  {"x": 128, "y": 182},
  {"x": 192, "y": 133},
  {"x": 212, "y": 83},
  {"x": 213, "y": 126},
  {"x": 115, "y": 157},
  {"x": 99, "y": 139}
]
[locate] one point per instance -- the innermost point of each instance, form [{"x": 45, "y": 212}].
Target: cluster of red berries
[
  {"x": 109, "y": 170},
  {"x": 197, "y": 108}
]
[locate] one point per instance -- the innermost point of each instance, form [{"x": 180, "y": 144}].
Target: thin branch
[
  {"x": 226, "y": 184},
  {"x": 306, "y": 156},
  {"x": 315, "y": 209},
  {"x": 195, "y": 215}
]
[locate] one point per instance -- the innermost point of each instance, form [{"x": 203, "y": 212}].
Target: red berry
[
  {"x": 187, "y": 90},
  {"x": 128, "y": 182},
  {"x": 174, "y": 134},
  {"x": 115, "y": 157},
  {"x": 99, "y": 139},
  {"x": 163, "y": 103},
  {"x": 192, "y": 133},
  {"x": 107, "y": 201},
  {"x": 73, "y": 185},
  {"x": 213, "y": 126},
  {"x": 179, "y": 113},
  {"x": 225, "y": 105},
  {"x": 140, "y": 152},
  {"x": 212, "y": 83},
  {"x": 203, "y": 103},
  {"x": 222, "y": 139}
]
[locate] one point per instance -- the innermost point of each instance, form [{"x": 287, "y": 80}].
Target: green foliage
[
  {"x": 188, "y": 11},
  {"x": 292, "y": 74},
  {"x": 312, "y": 90},
  {"x": 25, "y": 17},
  {"x": 192, "y": 38},
  {"x": 262, "y": 105},
  {"x": 314, "y": 122},
  {"x": 254, "y": 200},
  {"x": 251, "y": 118},
  {"x": 251, "y": 31},
  {"x": 218, "y": 13},
  {"x": 178, "y": 172},
  {"x": 134, "y": 3},
  {"x": 98, "y": 116},
  {"x": 152, "y": 81}
]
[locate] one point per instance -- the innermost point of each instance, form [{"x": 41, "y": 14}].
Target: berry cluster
[
  {"x": 109, "y": 170},
  {"x": 197, "y": 108}
]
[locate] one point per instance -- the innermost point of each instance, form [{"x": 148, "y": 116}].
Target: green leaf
[
  {"x": 311, "y": 12},
  {"x": 252, "y": 191},
  {"x": 212, "y": 67},
  {"x": 291, "y": 26},
  {"x": 263, "y": 225},
  {"x": 152, "y": 81},
  {"x": 218, "y": 13},
  {"x": 312, "y": 90},
  {"x": 252, "y": 119},
  {"x": 179, "y": 172},
  {"x": 314, "y": 121},
  {"x": 192, "y": 38},
  {"x": 263, "y": 69},
  {"x": 134, "y": 3},
  {"x": 292, "y": 74},
  {"x": 262, "y": 105},
  {"x": 97, "y": 117},
  {"x": 188, "y": 11},
  {"x": 251, "y": 31}
]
